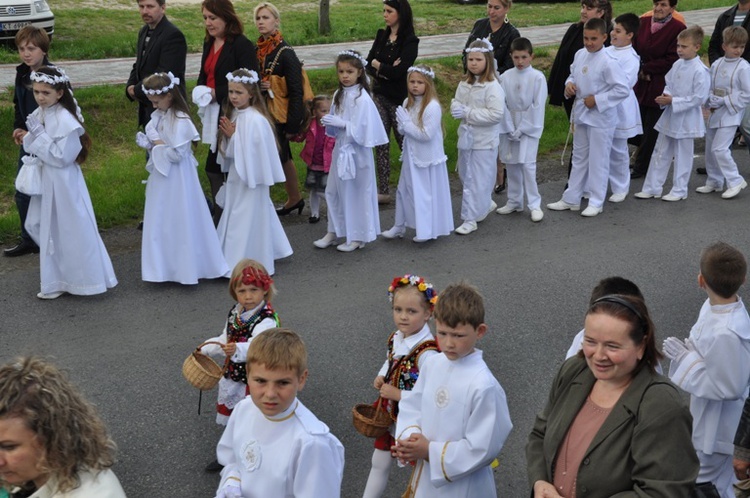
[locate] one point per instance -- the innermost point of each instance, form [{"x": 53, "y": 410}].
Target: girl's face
[
  {"x": 496, "y": 11},
  {"x": 161, "y": 102},
  {"x": 590, "y": 13},
  {"x": 31, "y": 55},
  {"x": 348, "y": 74},
  {"x": 239, "y": 96},
  {"x": 266, "y": 23},
  {"x": 249, "y": 296},
  {"x": 391, "y": 16},
  {"x": 476, "y": 63},
  {"x": 410, "y": 310},
  {"x": 215, "y": 25},
  {"x": 45, "y": 95},
  {"x": 322, "y": 108},
  {"x": 417, "y": 84},
  {"x": 21, "y": 454}
]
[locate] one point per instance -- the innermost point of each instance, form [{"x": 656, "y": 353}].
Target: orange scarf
[{"x": 266, "y": 46}]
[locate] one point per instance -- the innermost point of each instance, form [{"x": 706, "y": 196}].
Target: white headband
[
  {"x": 427, "y": 72},
  {"x": 248, "y": 80},
  {"x": 173, "y": 80},
  {"x": 351, "y": 53},
  {"x": 49, "y": 78},
  {"x": 487, "y": 46}
]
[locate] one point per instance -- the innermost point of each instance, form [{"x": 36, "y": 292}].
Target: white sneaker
[
  {"x": 537, "y": 215},
  {"x": 327, "y": 240},
  {"x": 561, "y": 205},
  {"x": 707, "y": 189},
  {"x": 646, "y": 195},
  {"x": 493, "y": 206},
  {"x": 350, "y": 246},
  {"x": 395, "y": 231},
  {"x": 467, "y": 228},
  {"x": 50, "y": 295},
  {"x": 591, "y": 211},
  {"x": 509, "y": 208},
  {"x": 618, "y": 197},
  {"x": 419, "y": 241},
  {"x": 673, "y": 198},
  {"x": 733, "y": 191}
]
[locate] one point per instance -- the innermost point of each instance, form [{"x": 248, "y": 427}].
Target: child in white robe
[
  {"x": 423, "y": 199},
  {"x": 249, "y": 226},
  {"x": 351, "y": 195},
  {"x": 598, "y": 86},
  {"x": 413, "y": 300},
  {"x": 455, "y": 420},
  {"x": 525, "y": 97},
  {"x": 713, "y": 364},
  {"x": 72, "y": 256},
  {"x": 274, "y": 445},
  {"x": 730, "y": 95},
  {"x": 479, "y": 104},
  {"x": 179, "y": 238},
  {"x": 628, "y": 113},
  {"x": 686, "y": 90}
]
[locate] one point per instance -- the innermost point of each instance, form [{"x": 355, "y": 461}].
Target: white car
[{"x": 15, "y": 14}]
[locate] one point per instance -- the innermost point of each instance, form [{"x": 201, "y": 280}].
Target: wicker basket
[
  {"x": 371, "y": 420},
  {"x": 201, "y": 371}
]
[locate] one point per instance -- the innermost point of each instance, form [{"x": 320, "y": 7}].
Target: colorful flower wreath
[
  {"x": 256, "y": 277},
  {"x": 415, "y": 280}
]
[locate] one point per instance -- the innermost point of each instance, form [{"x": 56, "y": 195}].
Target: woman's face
[
  {"x": 391, "y": 16},
  {"x": 266, "y": 23},
  {"x": 496, "y": 11},
  {"x": 215, "y": 25},
  {"x": 610, "y": 352},
  {"x": 21, "y": 454},
  {"x": 662, "y": 9},
  {"x": 590, "y": 13}
]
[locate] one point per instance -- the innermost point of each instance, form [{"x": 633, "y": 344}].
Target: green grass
[{"x": 118, "y": 24}]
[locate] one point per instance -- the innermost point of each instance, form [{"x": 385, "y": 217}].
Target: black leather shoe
[
  {"x": 313, "y": 219},
  {"x": 22, "y": 248},
  {"x": 283, "y": 211},
  {"x": 701, "y": 171},
  {"x": 214, "y": 466}
]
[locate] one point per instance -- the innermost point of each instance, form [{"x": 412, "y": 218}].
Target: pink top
[{"x": 308, "y": 150}]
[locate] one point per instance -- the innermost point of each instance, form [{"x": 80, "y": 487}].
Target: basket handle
[
  {"x": 380, "y": 403},
  {"x": 226, "y": 360}
]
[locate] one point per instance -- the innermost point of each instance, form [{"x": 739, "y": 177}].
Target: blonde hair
[
  {"x": 69, "y": 429},
  {"x": 235, "y": 278},
  {"x": 278, "y": 349},
  {"x": 430, "y": 93},
  {"x": 270, "y": 8}
]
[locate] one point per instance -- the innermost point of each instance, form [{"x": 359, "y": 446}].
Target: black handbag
[{"x": 706, "y": 490}]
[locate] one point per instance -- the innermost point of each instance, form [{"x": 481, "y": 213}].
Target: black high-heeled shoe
[
  {"x": 501, "y": 187},
  {"x": 283, "y": 211}
]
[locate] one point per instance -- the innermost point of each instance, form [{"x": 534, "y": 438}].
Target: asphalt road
[{"x": 125, "y": 348}]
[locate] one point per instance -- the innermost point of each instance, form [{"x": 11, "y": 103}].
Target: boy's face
[
  {"x": 249, "y": 295},
  {"x": 521, "y": 59},
  {"x": 733, "y": 51},
  {"x": 273, "y": 391},
  {"x": 459, "y": 341},
  {"x": 593, "y": 40},
  {"x": 31, "y": 55},
  {"x": 686, "y": 49},
  {"x": 619, "y": 37}
]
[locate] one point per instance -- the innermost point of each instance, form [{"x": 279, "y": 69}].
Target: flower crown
[
  {"x": 256, "y": 277},
  {"x": 427, "y": 72},
  {"x": 248, "y": 80},
  {"x": 414, "y": 280},
  {"x": 49, "y": 78},
  {"x": 487, "y": 46},
  {"x": 173, "y": 80},
  {"x": 351, "y": 53}
]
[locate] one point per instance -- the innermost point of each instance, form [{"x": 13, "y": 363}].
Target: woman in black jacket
[
  {"x": 393, "y": 52},
  {"x": 225, "y": 49}
]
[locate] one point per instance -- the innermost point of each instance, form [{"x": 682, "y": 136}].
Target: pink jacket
[{"x": 307, "y": 150}]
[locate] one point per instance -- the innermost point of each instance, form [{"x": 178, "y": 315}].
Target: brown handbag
[{"x": 278, "y": 104}]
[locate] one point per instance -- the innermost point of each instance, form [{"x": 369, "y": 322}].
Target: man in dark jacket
[{"x": 161, "y": 49}]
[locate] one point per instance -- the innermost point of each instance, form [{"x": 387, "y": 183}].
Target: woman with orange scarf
[{"x": 276, "y": 57}]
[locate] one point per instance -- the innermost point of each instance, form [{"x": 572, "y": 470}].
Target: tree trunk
[{"x": 324, "y": 17}]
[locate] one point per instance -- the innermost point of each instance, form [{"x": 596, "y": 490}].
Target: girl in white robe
[
  {"x": 179, "y": 239},
  {"x": 423, "y": 199},
  {"x": 249, "y": 226},
  {"x": 61, "y": 220},
  {"x": 351, "y": 195}
]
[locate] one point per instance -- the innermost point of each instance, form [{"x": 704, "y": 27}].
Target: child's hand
[
  {"x": 417, "y": 447},
  {"x": 663, "y": 99},
  {"x": 388, "y": 391},
  {"x": 34, "y": 126},
  {"x": 589, "y": 102},
  {"x": 226, "y": 126},
  {"x": 570, "y": 90},
  {"x": 714, "y": 102},
  {"x": 379, "y": 381},
  {"x": 229, "y": 349},
  {"x": 18, "y": 135},
  {"x": 333, "y": 120}
]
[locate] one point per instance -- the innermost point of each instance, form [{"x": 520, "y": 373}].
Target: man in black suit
[{"x": 161, "y": 48}]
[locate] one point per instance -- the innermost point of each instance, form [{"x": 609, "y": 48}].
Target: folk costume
[
  {"x": 525, "y": 99},
  {"x": 351, "y": 194},
  {"x": 423, "y": 198},
  {"x": 462, "y": 410},
  {"x": 240, "y": 328},
  {"x": 179, "y": 238},
  {"x": 102, "y": 484},
  {"x": 715, "y": 371},
  {"x": 249, "y": 226},
  {"x": 679, "y": 125},
  {"x": 61, "y": 220}
]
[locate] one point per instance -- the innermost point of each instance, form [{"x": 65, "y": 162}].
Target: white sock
[{"x": 378, "y": 479}]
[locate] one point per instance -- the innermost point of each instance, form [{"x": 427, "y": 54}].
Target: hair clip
[
  {"x": 351, "y": 53},
  {"x": 427, "y": 72},
  {"x": 248, "y": 80},
  {"x": 173, "y": 80}
]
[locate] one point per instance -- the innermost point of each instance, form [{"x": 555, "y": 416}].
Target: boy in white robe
[
  {"x": 525, "y": 97},
  {"x": 598, "y": 86},
  {"x": 273, "y": 445},
  {"x": 686, "y": 90},
  {"x": 455, "y": 420},
  {"x": 713, "y": 364},
  {"x": 730, "y": 95}
]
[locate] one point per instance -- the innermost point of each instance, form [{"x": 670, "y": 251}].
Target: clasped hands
[{"x": 675, "y": 349}]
